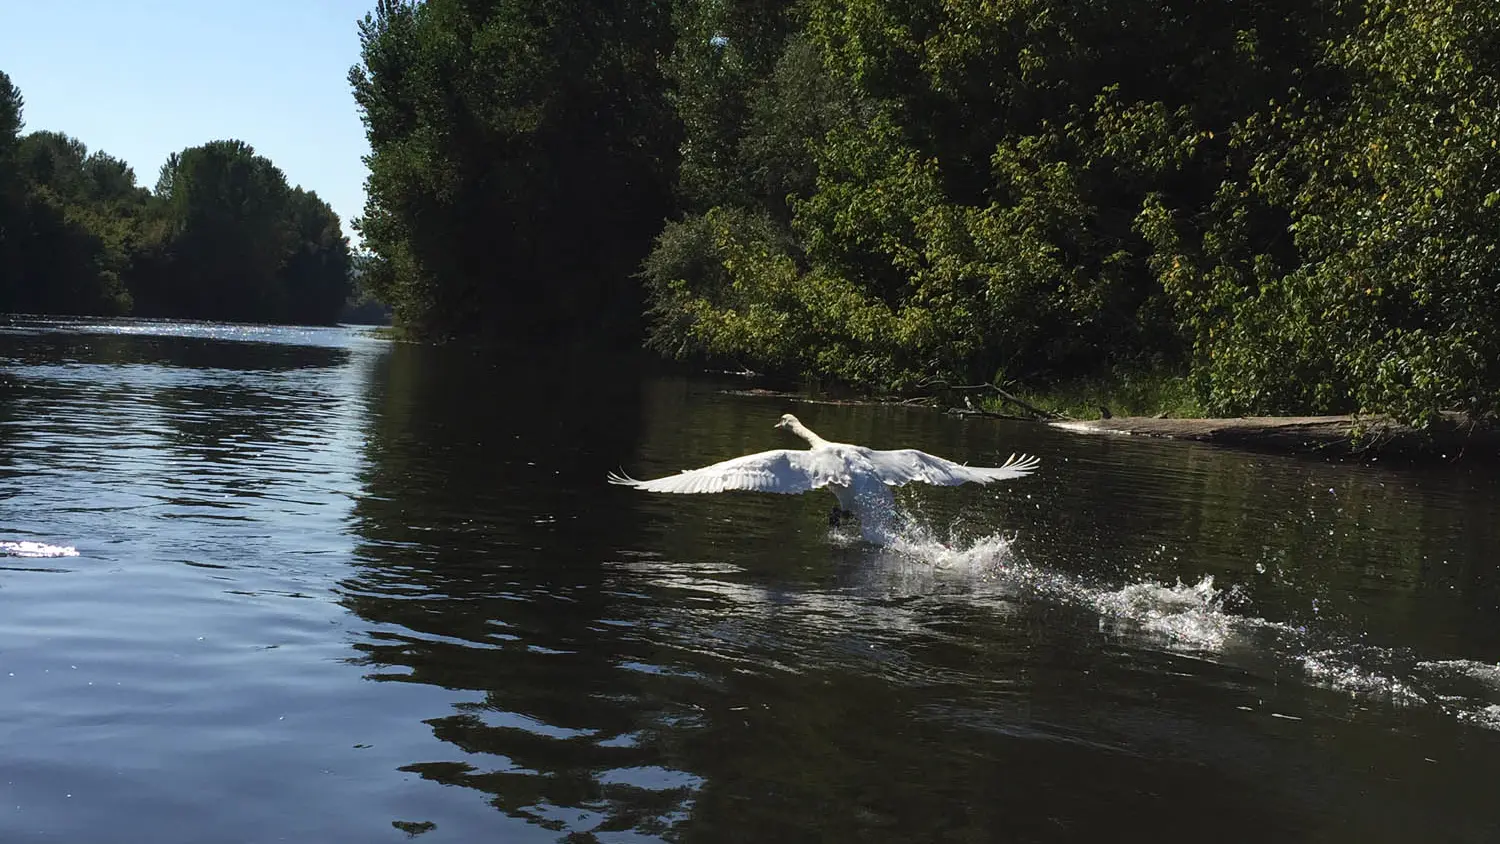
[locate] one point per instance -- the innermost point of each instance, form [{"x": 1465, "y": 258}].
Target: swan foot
[{"x": 837, "y": 516}]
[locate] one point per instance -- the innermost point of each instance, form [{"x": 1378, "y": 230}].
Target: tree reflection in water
[
  {"x": 717, "y": 668},
  {"x": 480, "y": 571}
]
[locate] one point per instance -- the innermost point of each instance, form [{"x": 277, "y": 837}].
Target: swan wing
[
  {"x": 903, "y": 466},
  {"x": 782, "y": 470}
]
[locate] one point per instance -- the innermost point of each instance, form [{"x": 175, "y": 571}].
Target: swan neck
[{"x": 806, "y": 433}]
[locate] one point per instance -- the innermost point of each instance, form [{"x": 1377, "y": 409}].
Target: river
[{"x": 266, "y": 584}]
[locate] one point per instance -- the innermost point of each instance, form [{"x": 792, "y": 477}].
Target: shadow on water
[{"x": 59, "y": 344}]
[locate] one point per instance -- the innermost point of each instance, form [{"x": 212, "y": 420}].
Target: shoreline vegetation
[
  {"x": 1287, "y": 206},
  {"x": 1119, "y": 208},
  {"x": 1162, "y": 406},
  {"x": 1450, "y": 438}
]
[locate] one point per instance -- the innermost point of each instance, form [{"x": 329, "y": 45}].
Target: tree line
[
  {"x": 220, "y": 236},
  {"x": 1290, "y": 204}
]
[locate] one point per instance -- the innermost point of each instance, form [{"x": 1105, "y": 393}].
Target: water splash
[
  {"x": 1199, "y": 617},
  {"x": 1467, "y": 689},
  {"x": 1366, "y": 675},
  {"x": 978, "y": 554},
  {"x": 27, "y": 548},
  {"x": 1192, "y": 617},
  {"x": 1484, "y": 673},
  {"x": 886, "y": 592},
  {"x": 1488, "y": 717},
  {"x": 919, "y": 561}
]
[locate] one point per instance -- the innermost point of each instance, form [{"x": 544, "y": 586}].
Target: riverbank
[
  {"x": 1160, "y": 404},
  {"x": 1452, "y": 437},
  {"x": 1141, "y": 393}
]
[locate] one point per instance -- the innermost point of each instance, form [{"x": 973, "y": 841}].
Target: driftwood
[
  {"x": 1036, "y": 412},
  {"x": 987, "y": 414},
  {"x": 1452, "y": 436}
]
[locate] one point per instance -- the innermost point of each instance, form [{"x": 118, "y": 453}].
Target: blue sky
[{"x": 140, "y": 79}]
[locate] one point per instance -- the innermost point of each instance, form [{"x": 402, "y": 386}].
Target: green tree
[
  {"x": 54, "y": 161},
  {"x": 1390, "y": 302},
  {"x": 11, "y": 107},
  {"x": 1047, "y": 189},
  {"x": 722, "y": 54},
  {"x": 230, "y": 234},
  {"x": 65, "y": 250},
  {"x": 107, "y": 179},
  {"x": 317, "y": 274},
  {"x": 223, "y": 237},
  {"x": 520, "y": 161},
  {"x": 232, "y": 241},
  {"x": 11, "y": 191}
]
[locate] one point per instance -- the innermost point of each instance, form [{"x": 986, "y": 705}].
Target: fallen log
[{"x": 1450, "y": 437}]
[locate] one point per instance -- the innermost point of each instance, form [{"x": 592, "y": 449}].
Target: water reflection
[
  {"x": 482, "y": 527},
  {"x": 88, "y": 350},
  {"x": 338, "y": 577},
  {"x": 179, "y": 661},
  {"x": 1139, "y": 635}
]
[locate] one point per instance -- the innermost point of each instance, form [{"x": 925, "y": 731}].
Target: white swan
[{"x": 860, "y": 478}]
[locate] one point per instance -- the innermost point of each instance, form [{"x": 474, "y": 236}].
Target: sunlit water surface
[{"x": 276, "y": 584}]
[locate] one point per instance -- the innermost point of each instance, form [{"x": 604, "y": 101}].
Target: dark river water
[{"x": 306, "y": 585}]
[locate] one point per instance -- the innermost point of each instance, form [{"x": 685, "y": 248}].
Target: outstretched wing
[
  {"x": 903, "y": 466},
  {"x": 781, "y": 470}
]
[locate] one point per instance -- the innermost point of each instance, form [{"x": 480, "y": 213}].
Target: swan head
[{"x": 791, "y": 423}]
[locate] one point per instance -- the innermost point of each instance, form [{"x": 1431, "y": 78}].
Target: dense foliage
[
  {"x": 221, "y": 237},
  {"x": 1291, "y": 203},
  {"x": 517, "y": 168}
]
